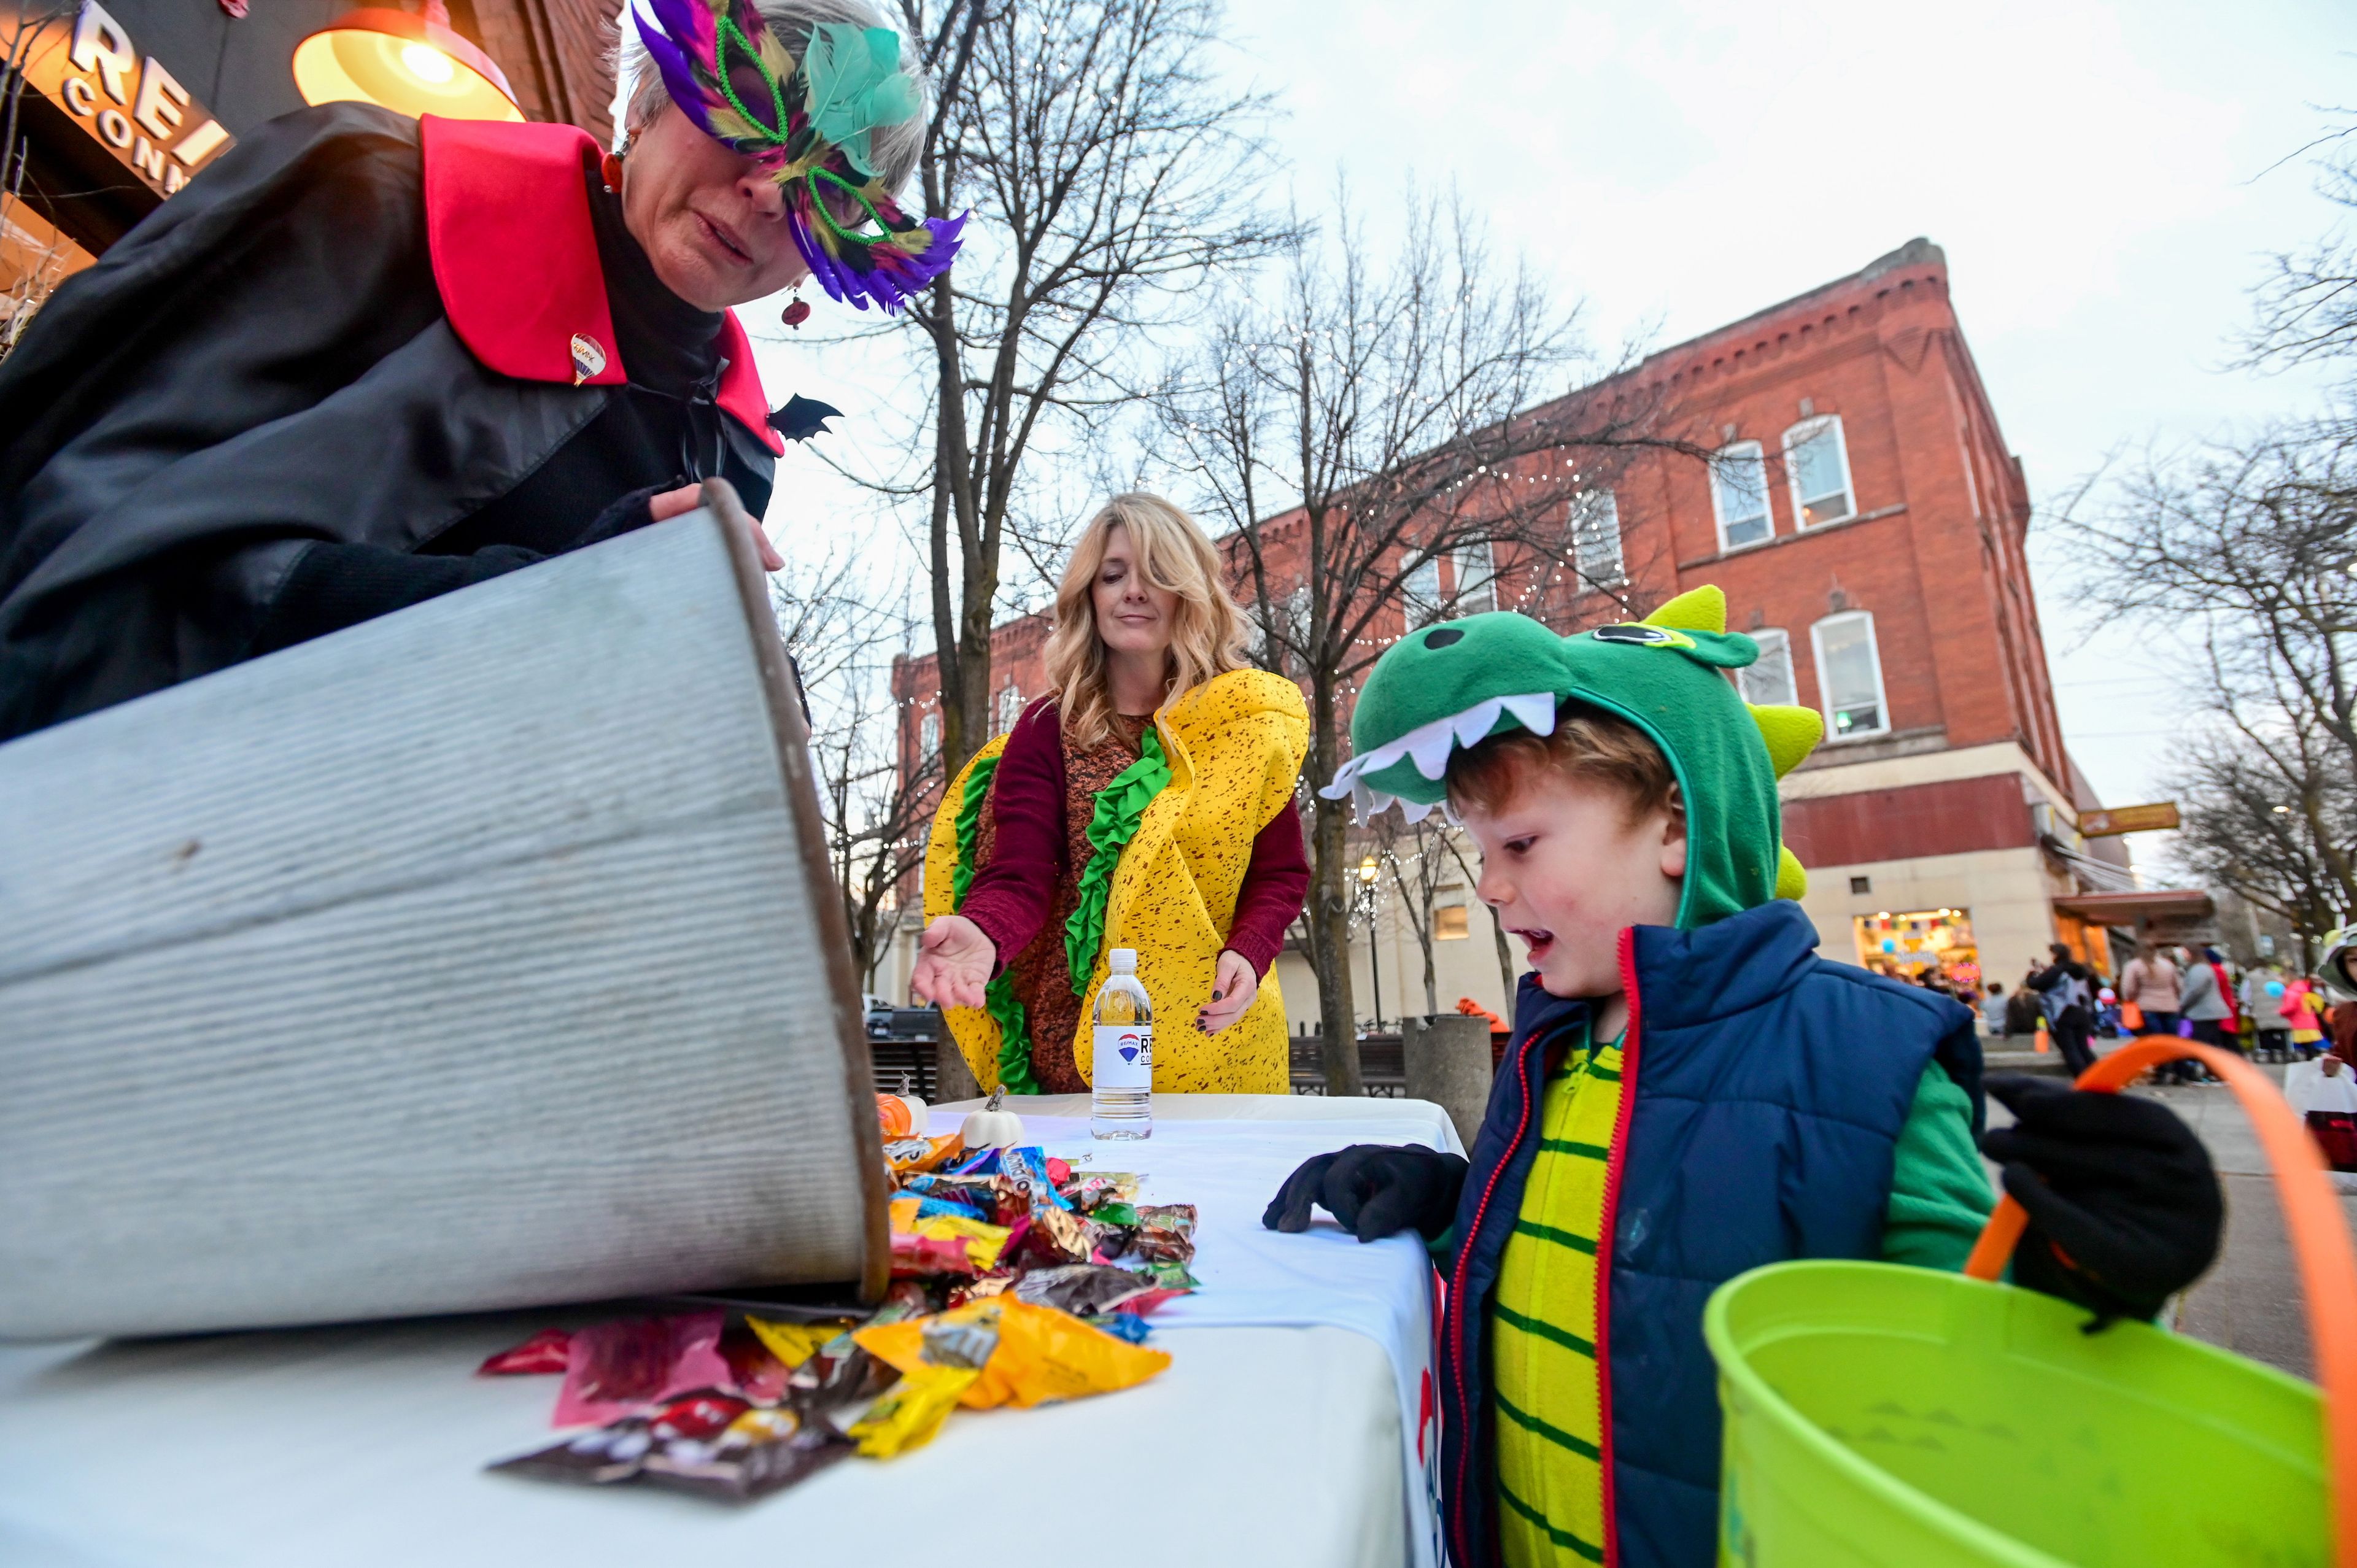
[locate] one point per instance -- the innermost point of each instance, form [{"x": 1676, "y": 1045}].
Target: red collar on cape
[{"x": 498, "y": 192}]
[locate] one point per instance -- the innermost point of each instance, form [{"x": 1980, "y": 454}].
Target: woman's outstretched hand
[
  {"x": 1233, "y": 986},
  {"x": 954, "y": 962}
]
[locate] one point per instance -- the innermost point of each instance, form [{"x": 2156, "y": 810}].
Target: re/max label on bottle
[{"x": 1124, "y": 1056}]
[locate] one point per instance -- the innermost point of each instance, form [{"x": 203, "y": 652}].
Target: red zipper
[
  {"x": 1458, "y": 1304},
  {"x": 1613, "y": 1170}
]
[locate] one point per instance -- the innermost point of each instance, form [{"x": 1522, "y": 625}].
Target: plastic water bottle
[{"x": 1122, "y": 1078}]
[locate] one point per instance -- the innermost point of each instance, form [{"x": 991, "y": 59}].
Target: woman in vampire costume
[{"x": 363, "y": 361}]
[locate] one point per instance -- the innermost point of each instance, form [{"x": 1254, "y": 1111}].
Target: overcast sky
[{"x": 2096, "y": 171}]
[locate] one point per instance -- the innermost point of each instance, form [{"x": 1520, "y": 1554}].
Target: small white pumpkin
[{"x": 992, "y": 1128}]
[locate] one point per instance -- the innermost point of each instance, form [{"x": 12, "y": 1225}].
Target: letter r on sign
[{"x": 99, "y": 44}]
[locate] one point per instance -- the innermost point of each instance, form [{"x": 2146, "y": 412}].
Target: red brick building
[{"x": 1865, "y": 520}]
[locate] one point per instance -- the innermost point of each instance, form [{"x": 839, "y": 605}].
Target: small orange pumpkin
[{"x": 900, "y": 1116}]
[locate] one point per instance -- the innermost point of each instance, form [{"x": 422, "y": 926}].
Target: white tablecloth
[{"x": 364, "y": 1444}]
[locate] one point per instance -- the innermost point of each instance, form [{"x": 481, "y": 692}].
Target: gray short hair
[{"x": 895, "y": 147}]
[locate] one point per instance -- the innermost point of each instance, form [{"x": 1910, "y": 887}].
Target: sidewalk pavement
[{"x": 2249, "y": 1302}]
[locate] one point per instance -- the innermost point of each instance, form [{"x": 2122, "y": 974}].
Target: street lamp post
[{"x": 1367, "y": 869}]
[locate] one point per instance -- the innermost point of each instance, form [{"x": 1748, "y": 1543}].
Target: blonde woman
[{"x": 1148, "y": 803}]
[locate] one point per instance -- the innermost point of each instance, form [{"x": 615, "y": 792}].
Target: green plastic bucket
[{"x": 1889, "y": 1415}]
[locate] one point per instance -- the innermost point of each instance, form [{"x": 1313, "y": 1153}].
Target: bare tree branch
[
  {"x": 1098, "y": 151},
  {"x": 1413, "y": 420}
]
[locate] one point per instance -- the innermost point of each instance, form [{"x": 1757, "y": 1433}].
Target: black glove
[
  {"x": 2124, "y": 1204},
  {"x": 623, "y": 514},
  {"x": 1374, "y": 1189}
]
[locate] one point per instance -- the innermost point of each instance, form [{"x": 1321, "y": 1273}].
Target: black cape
[{"x": 252, "y": 422}]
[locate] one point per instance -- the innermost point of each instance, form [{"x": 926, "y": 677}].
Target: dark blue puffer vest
[{"x": 1763, "y": 1091}]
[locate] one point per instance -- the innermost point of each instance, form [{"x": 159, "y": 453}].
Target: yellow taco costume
[{"x": 1168, "y": 842}]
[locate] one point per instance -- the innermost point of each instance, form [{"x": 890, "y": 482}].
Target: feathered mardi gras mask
[{"x": 807, "y": 121}]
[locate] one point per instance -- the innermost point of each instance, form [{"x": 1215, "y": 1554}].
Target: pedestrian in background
[
  {"x": 2305, "y": 1010},
  {"x": 1992, "y": 1010},
  {"x": 2021, "y": 1010},
  {"x": 2263, "y": 993},
  {"x": 2149, "y": 985},
  {"x": 2207, "y": 1007},
  {"x": 2066, "y": 991}
]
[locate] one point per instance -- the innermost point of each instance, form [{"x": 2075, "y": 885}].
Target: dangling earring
[
  {"x": 610, "y": 170},
  {"x": 797, "y": 309}
]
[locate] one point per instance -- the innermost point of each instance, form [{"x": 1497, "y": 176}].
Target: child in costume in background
[{"x": 1690, "y": 1092}]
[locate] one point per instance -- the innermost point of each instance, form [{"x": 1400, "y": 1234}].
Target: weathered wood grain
[{"x": 470, "y": 957}]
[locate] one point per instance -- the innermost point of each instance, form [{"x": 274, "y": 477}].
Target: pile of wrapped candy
[
  {"x": 970, "y": 1224},
  {"x": 1015, "y": 1280}
]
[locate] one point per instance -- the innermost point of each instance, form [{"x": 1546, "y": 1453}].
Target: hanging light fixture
[{"x": 414, "y": 64}]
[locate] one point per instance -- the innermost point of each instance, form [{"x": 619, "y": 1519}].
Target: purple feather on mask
[
  {"x": 833, "y": 276},
  {"x": 681, "y": 38}
]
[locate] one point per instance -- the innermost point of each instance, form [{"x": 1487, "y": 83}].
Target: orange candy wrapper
[
  {"x": 1042, "y": 1355},
  {"x": 918, "y": 1155}
]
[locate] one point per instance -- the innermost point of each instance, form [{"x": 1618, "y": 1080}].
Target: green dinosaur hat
[{"x": 1456, "y": 684}]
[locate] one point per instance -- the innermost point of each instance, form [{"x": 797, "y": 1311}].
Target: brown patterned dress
[{"x": 1042, "y": 976}]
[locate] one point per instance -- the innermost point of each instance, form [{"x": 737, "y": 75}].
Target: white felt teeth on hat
[
  {"x": 1429, "y": 746},
  {"x": 1534, "y": 712}
]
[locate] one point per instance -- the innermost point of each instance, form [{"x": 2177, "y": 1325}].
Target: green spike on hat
[{"x": 1451, "y": 686}]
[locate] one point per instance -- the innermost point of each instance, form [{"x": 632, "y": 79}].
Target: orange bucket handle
[{"x": 2312, "y": 1219}]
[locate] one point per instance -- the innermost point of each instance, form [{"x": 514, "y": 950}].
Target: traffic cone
[{"x": 2039, "y": 1042}]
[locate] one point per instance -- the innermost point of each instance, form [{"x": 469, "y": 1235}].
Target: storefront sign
[
  {"x": 2119, "y": 819},
  {"x": 128, "y": 101}
]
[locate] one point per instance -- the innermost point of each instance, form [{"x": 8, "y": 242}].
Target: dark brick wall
[{"x": 1954, "y": 816}]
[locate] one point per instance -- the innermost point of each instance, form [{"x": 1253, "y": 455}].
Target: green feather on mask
[{"x": 856, "y": 84}]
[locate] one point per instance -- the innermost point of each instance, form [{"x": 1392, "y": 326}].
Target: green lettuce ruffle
[
  {"x": 1120, "y": 806},
  {"x": 1005, "y": 1009},
  {"x": 969, "y": 826}
]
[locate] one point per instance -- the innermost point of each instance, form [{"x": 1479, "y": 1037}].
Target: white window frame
[
  {"x": 1010, "y": 706},
  {"x": 1833, "y": 733},
  {"x": 1768, "y": 637},
  {"x": 1420, "y": 590},
  {"x": 1473, "y": 570},
  {"x": 1587, "y": 508},
  {"x": 928, "y": 736},
  {"x": 1808, "y": 429},
  {"x": 1755, "y": 452}
]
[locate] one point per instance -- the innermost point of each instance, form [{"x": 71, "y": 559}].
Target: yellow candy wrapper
[
  {"x": 907, "y": 1415},
  {"x": 794, "y": 1343},
  {"x": 984, "y": 1241},
  {"x": 1042, "y": 1355},
  {"x": 1045, "y": 1355}
]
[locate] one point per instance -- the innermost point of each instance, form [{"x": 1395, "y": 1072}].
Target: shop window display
[{"x": 1920, "y": 945}]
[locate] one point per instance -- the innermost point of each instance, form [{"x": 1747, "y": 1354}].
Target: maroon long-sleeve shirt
[{"x": 1011, "y": 896}]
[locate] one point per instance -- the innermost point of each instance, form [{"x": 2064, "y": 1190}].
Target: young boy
[{"x": 1690, "y": 1092}]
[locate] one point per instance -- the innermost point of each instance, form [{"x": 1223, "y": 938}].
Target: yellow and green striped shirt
[{"x": 1543, "y": 1326}]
